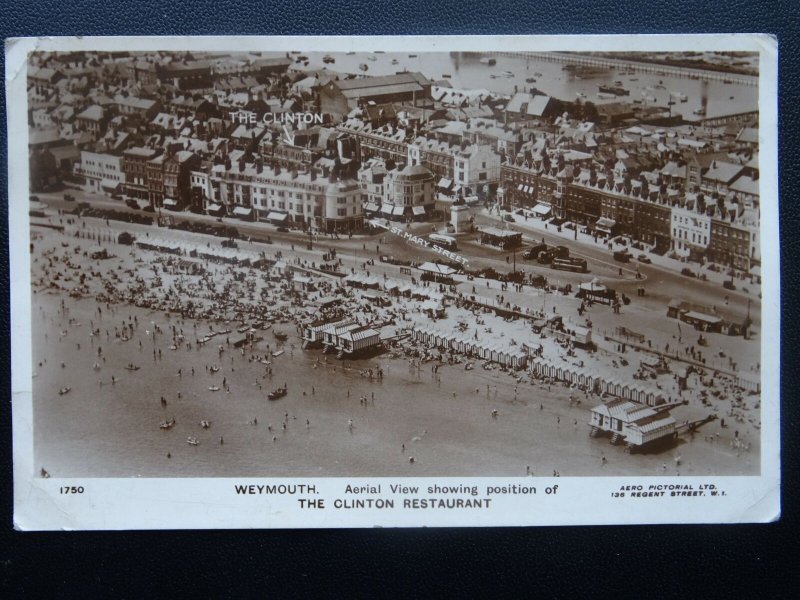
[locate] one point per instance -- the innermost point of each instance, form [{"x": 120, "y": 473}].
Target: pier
[{"x": 639, "y": 67}]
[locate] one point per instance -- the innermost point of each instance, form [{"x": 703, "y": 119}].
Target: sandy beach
[{"x": 108, "y": 424}]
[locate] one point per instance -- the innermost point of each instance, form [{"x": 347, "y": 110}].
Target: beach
[{"x": 440, "y": 415}]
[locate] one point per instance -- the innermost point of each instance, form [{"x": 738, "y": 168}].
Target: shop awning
[
  {"x": 371, "y": 207},
  {"x": 110, "y": 185},
  {"x": 170, "y": 202},
  {"x": 444, "y": 183},
  {"x": 605, "y": 224},
  {"x": 418, "y": 210},
  {"x": 276, "y": 216},
  {"x": 398, "y": 210},
  {"x": 386, "y": 209},
  {"x": 542, "y": 209},
  {"x": 697, "y": 316},
  {"x": 214, "y": 208},
  {"x": 241, "y": 211}
]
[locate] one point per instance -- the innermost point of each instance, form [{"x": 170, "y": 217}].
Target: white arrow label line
[{"x": 289, "y": 137}]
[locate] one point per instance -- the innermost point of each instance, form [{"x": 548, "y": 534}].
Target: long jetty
[{"x": 639, "y": 67}]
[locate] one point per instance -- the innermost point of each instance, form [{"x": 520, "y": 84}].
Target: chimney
[{"x": 313, "y": 174}]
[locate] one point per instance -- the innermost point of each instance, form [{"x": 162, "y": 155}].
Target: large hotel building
[{"x": 263, "y": 193}]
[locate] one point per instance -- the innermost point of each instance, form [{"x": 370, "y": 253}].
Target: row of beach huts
[{"x": 514, "y": 357}]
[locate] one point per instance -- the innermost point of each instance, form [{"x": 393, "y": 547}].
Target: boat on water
[
  {"x": 469, "y": 366},
  {"x": 349, "y": 53},
  {"x": 265, "y": 362},
  {"x": 372, "y": 58},
  {"x": 446, "y": 75},
  {"x": 488, "y": 61},
  {"x": 580, "y": 94},
  {"x": 507, "y": 74},
  {"x": 132, "y": 367},
  {"x": 395, "y": 61},
  {"x": 613, "y": 89},
  {"x": 278, "y": 393},
  {"x": 280, "y": 336},
  {"x": 213, "y": 388},
  {"x": 583, "y": 70},
  {"x": 278, "y": 353},
  {"x": 205, "y": 424},
  {"x": 192, "y": 441},
  {"x": 213, "y": 368},
  {"x": 412, "y": 56},
  {"x": 363, "y": 66},
  {"x": 530, "y": 80},
  {"x": 168, "y": 424},
  {"x": 328, "y": 59},
  {"x": 64, "y": 390},
  {"x": 605, "y": 96}
]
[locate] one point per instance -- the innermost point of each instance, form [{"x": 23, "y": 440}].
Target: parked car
[
  {"x": 688, "y": 272},
  {"x": 283, "y": 229},
  {"x": 643, "y": 258},
  {"x": 69, "y": 197},
  {"x": 622, "y": 256},
  {"x": 508, "y": 218},
  {"x": 533, "y": 252},
  {"x": 728, "y": 285}
]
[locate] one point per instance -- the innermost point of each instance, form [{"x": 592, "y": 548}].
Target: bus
[
  {"x": 443, "y": 241},
  {"x": 577, "y": 265}
]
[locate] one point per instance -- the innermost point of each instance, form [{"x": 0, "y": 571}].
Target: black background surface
[{"x": 693, "y": 562}]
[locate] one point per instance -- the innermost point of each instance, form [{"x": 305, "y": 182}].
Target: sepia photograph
[{"x": 351, "y": 261}]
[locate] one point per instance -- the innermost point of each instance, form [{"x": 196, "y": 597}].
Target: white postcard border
[{"x": 163, "y": 503}]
